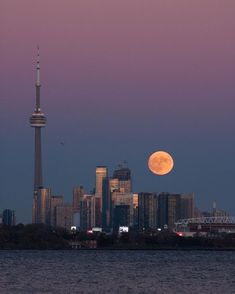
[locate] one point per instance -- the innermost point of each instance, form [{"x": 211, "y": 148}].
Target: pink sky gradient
[{"x": 120, "y": 79}]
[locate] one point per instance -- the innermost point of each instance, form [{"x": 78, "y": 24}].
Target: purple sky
[{"x": 120, "y": 79}]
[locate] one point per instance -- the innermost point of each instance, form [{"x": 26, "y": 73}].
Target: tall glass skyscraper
[
  {"x": 100, "y": 174},
  {"x": 123, "y": 175},
  {"x": 102, "y": 195},
  {"x": 8, "y": 217}
]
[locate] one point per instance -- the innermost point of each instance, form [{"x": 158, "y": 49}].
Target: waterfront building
[
  {"x": 55, "y": 201},
  {"x": 218, "y": 212},
  {"x": 135, "y": 210},
  {"x": 102, "y": 196},
  {"x": 113, "y": 185},
  {"x": 121, "y": 216},
  {"x": 197, "y": 212},
  {"x": 64, "y": 216},
  {"x": 172, "y": 207},
  {"x": 78, "y": 193},
  {"x": 106, "y": 203},
  {"x": 120, "y": 187},
  {"x": 187, "y": 206},
  {"x": 8, "y": 217},
  {"x": 98, "y": 211},
  {"x": 101, "y": 174},
  {"x": 163, "y": 210},
  {"x": 123, "y": 174},
  {"x": 87, "y": 212},
  {"x": 147, "y": 210},
  {"x": 123, "y": 200}
]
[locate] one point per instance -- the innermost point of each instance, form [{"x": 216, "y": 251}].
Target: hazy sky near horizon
[{"x": 120, "y": 80}]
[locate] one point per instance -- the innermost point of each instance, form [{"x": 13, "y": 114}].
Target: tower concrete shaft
[{"x": 38, "y": 160}]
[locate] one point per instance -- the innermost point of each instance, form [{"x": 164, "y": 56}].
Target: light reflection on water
[{"x": 117, "y": 272}]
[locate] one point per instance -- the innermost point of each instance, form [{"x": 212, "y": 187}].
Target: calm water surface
[{"x": 117, "y": 272}]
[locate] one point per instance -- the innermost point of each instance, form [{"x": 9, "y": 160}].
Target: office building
[
  {"x": 125, "y": 199},
  {"x": 98, "y": 211},
  {"x": 168, "y": 210},
  {"x": 78, "y": 193},
  {"x": 173, "y": 209},
  {"x": 106, "y": 203},
  {"x": 135, "y": 210},
  {"x": 163, "y": 210},
  {"x": 121, "y": 216},
  {"x": 113, "y": 185},
  {"x": 187, "y": 207},
  {"x": 121, "y": 195},
  {"x": 64, "y": 216},
  {"x": 101, "y": 195},
  {"x": 55, "y": 201},
  {"x": 101, "y": 173},
  {"x": 123, "y": 174},
  {"x": 8, "y": 217},
  {"x": 87, "y": 212},
  {"x": 147, "y": 211}
]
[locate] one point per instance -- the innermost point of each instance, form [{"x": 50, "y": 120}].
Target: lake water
[{"x": 160, "y": 272}]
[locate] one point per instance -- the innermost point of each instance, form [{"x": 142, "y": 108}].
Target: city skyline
[{"x": 119, "y": 92}]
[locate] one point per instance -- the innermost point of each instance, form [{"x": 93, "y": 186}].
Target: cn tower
[{"x": 37, "y": 121}]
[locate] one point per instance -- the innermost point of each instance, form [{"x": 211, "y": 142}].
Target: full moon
[{"x": 160, "y": 163}]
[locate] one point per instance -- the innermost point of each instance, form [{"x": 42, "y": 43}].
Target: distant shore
[
  {"x": 122, "y": 249},
  {"x": 42, "y": 237}
]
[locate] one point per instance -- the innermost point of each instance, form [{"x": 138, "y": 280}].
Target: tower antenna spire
[
  {"x": 38, "y": 68},
  {"x": 38, "y": 85}
]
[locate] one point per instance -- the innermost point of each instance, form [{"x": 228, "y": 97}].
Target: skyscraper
[
  {"x": 129, "y": 200},
  {"x": 8, "y": 217},
  {"x": 121, "y": 216},
  {"x": 106, "y": 203},
  {"x": 78, "y": 193},
  {"x": 87, "y": 210},
  {"x": 147, "y": 210},
  {"x": 172, "y": 207},
  {"x": 173, "y": 211},
  {"x": 123, "y": 174},
  {"x": 163, "y": 210},
  {"x": 64, "y": 216},
  {"x": 101, "y": 195},
  {"x": 55, "y": 201},
  {"x": 37, "y": 121},
  {"x": 187, "y": 205},
  {"x": 101, "y": 173}
]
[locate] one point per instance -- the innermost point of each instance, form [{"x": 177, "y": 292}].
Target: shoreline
[{"x": 124, "y": 249}]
